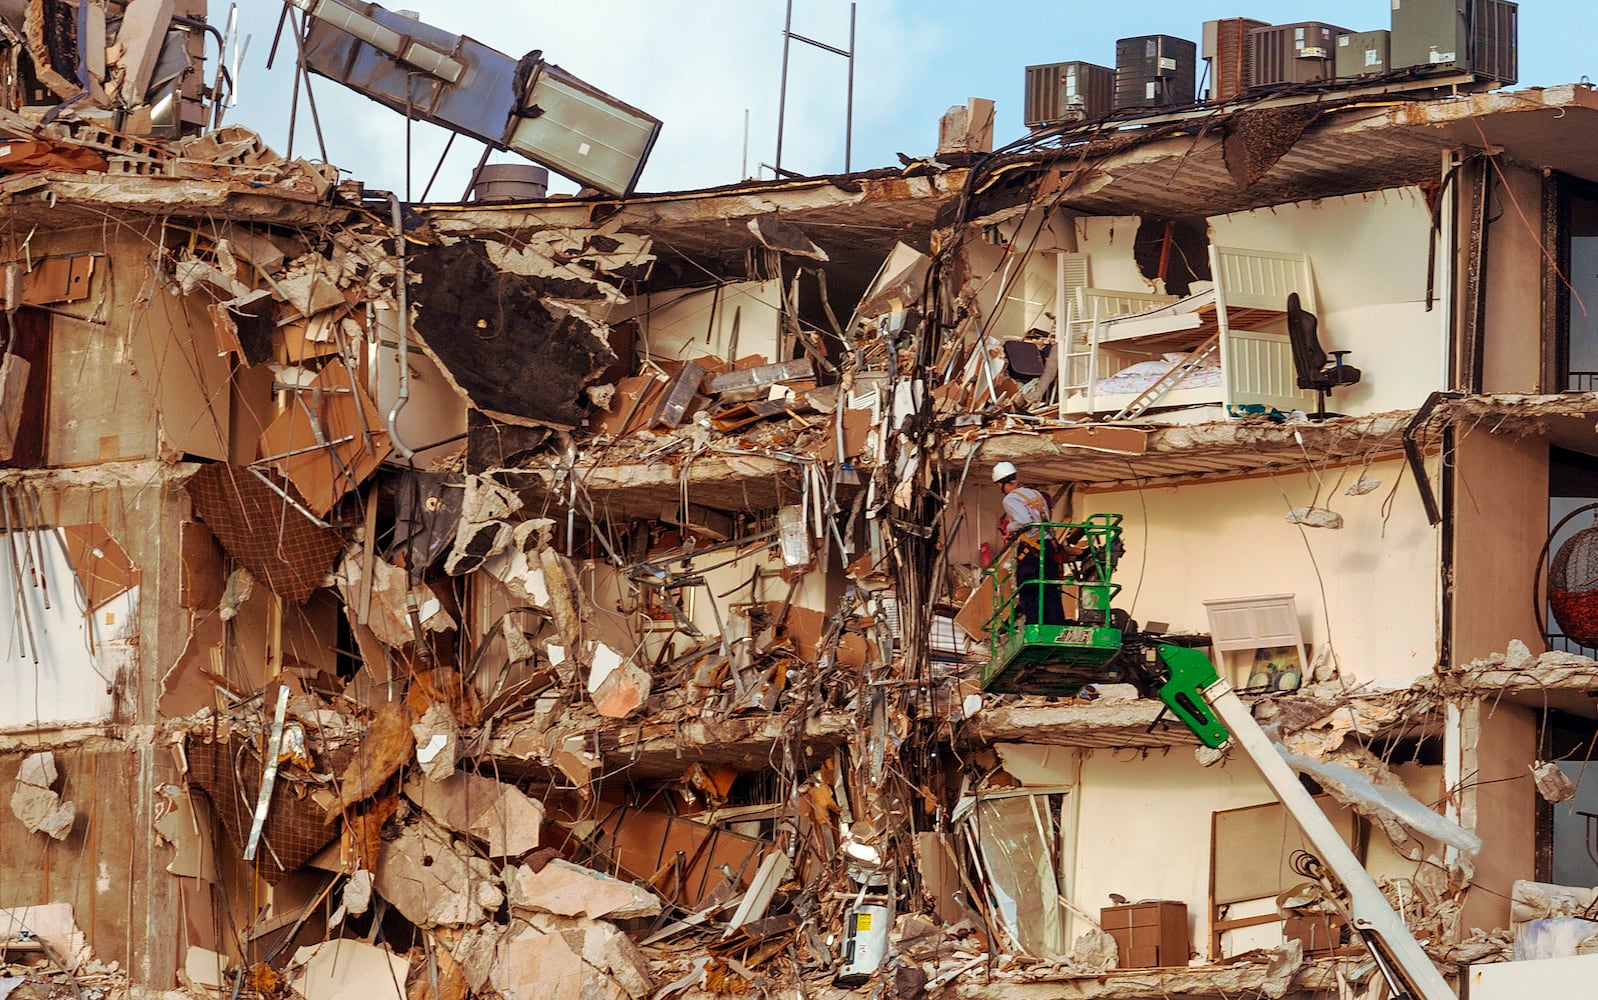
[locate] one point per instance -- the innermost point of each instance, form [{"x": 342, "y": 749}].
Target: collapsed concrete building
[{"x": 585, "y": 596}]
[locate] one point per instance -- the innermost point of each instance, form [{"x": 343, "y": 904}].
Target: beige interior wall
[
  {"x": 1513, "y": 356},
  {"x": 1379, "y": 572},
  {"x": 1501, "y": 806},
  {"x": 1368, "y": 254},
  {"x": 1500, "y": 520},
  {"x": 1144, "y": 827}
]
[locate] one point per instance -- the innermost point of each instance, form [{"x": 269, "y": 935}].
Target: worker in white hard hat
[{"x": 1037, "y": 567}]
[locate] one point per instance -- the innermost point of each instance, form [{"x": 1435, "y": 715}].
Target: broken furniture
[
  {"x": 1224, "y": 345},
  {"x": 1257, "y": 641},
  {"x": 1147, "y": 935},
  {"x": 1315, "y": 371}
]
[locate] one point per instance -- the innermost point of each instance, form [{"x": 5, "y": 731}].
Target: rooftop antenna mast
[{"x": 788, "y": 37}]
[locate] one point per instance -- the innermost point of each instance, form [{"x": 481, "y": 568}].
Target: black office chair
[{"x": 1315, "y": 370}]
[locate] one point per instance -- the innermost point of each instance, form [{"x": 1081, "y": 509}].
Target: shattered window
[{"x": 1016, "y": 844}]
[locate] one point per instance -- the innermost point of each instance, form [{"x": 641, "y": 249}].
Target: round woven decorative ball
[{"x": 1573, "y": 586}]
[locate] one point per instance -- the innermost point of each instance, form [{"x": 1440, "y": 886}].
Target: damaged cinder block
[
  {"x": 547, "y": 957},
  {"x": 499, "y": 815},
  {"x": 431, "y": 880},
  {"x": 35, "y": 801},
  {"x": 569, "y": 890}
]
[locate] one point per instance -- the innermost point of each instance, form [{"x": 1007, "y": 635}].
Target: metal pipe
[
  {"x": 848, "y": 111},
  {"x": 404, "y": 331},
  {"x": 782, "y": 96}
]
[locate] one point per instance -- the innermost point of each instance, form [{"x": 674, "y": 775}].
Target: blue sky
[{"x": 699, "y": 64}]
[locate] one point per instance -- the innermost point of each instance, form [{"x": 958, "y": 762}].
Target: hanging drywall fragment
[
  {"x": 1382, "y": 802},
  {"x": 576, "y": 761},
  {"x": 569, "y": 890},
  {"x": 328, "y": 439},
  {"x": 617, "y": 686},
  {"x": 776, "y": 234},
  {"x": 1552, "y": 782},
  {"x": 482, "y": 530},
  {"x": 481, "y": 324},
  {"x": 102, "y": 567},
  {"x": 262, "y": 529},
  {"x": 346, "y": 969},
  {"x": 245, "y": 325},
  {"x": 431, "y": 880},
  {"x": 564, "y": 598},
  {"x": 14, "y": 371},
  {"x": 185, "y": 823},
  {"x": 35, "y": 801},
  {"x": 500, "y": 815},
  {"x": 568, "y": 958},
  {"x": 436, "y": 742},
  {"x": 1314, "y": 517}
]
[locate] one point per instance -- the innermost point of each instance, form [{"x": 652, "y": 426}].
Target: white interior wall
[
  {"x": 1368, "y": 254},
  {"x": 699, "y": 322},
  {"x": 59, "y": 663},
  {"x": 1186, "y": 544}
]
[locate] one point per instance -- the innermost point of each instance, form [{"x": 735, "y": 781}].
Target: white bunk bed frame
[{"x": 1104, "y": 331}]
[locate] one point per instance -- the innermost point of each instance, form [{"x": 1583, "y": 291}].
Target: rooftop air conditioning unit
[
  {"x": 1228, "y": 48},
  {"x": 1463, "y": 36},
  {"x": 1155, "y": 71},
  {"x": 1067, "y": 91},
  {"x": 1363, "y": 53},
  {"x": 1295, "y": 53}
]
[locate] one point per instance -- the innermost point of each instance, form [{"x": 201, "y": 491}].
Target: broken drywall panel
[
  {"x": 1039, "y": 764},
  {"x": 35, "y": 801},
  {"x": 617, "y": 686},
  {"x": 776, "y": 233},
  {"x": 245, "y": 325},
  {"x": 569, "y": 890},
  {"x": 204, "y": 971},
  {"x": 102, "y": 566},
  {"x": 262, "y": 528},
  {"x": 546, "y": 957},
  {"x": 481, "y": 325},
  {"x": 432, "y": 881},
  {"x": 328, "y": 439},
  {"x": 143, "y": 30},
  {"x": 730, "y": 321},
  {"x": 346, "y": 969},
  {"x": 190, "y": 684},
  {"x": 173, "y": 351},
  {"x": 500, "y": 815},
  {"x": 56, "y": 926},
  {"x": 184, "y": 821},
  {"x": 899, "y": 284},
  {"x": 394, "y": 609},
  {"x": 437, "y": 742},
  {"x": 200, "y": 588}
]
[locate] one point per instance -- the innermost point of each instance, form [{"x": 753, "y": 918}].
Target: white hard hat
[{"x": 1003, "y": 471}]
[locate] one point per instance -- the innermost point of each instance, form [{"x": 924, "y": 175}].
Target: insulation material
[
  {"x": 1381, "y": 801},
  {"x": 260, "y": 528},
  {"x": 386, "y": 748},
  {"x": 311, "y": 429}
]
